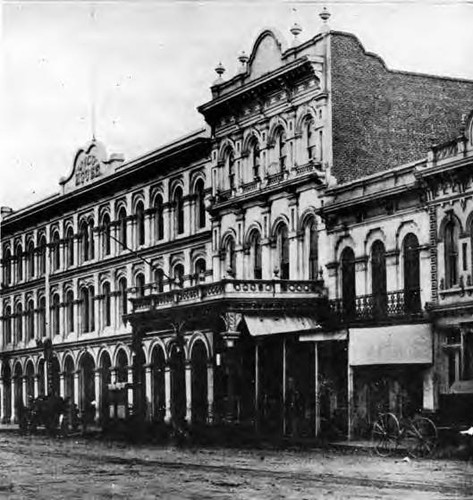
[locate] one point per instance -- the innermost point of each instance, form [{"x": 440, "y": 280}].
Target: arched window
[
  {"x": 230, "y": 168},
  {"x": 7, "y": 265},
  {"x": 56, "y": 256},
  {"x": 106, "y": 238},
  {"x": 411, "y": 273},
  {"x": 200, "y": 268},
  {"x": 255, "y": 254},
  {"x": 30, "y": 259},
  {"x": 281, "y": 152},
  {"x": 30, "y": 320},
  {"x": 42, "y": 317},
  {"x": 91, "y": 240},
  {"x": 451, "y": 254},
  {"x": 70, "y": 247},
  {"x": 92, "y": 309},
  {"x": 85, "y": 303},
  {"x": 309, "y": 139},
  {"x": 140, "y": 224},
  {"x": 311, "y": 248},
  {"x": 200, "y": 204},
  {"x": 159, "y": 280},
  {"x": 7, "y": 323},
  {"x": 348, "y": 282},
  {"x": 84, "y": 231},
  {"x": 70, "y": 311},
  {"x": 159, "y": 217},
  {"x": 19, "y": 322},
  {"x": 123, "y": 290},
  {"x": 179, "y": 210},
  {"x": 378, "y": 277},
  {"x": 230, "y": 257},
  {"x": 282, "y": 243},
  {"x": 107, "y": 305},
  {"x": 122, "y": 237},
  {"x": 140, "y": 285},
  {"x": 178, "y": 275},
  {"x": 19, "y": 262},
  {"x": 255, "y": 159},
  {"x": 56, "y": 326},
  {"x": 42, "y": 255}
]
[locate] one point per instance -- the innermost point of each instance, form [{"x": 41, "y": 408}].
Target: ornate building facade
[{"x": 281, "y": 251}]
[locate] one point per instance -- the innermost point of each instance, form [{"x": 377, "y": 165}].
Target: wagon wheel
[
  {"x": 421, "y": 436},
  {"x": 385, "y": 434}
]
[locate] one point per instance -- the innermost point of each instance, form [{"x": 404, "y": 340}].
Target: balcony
[
  {"x": 243, "y": 294},
  {"x": 397, "y": 305}
]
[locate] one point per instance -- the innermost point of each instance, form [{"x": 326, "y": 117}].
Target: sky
[{"x": 142, "y": 67}]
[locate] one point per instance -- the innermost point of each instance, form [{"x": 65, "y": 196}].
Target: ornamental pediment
[
  {"x": 266, "y": 55},
  {"x": 90, "y": 164}
]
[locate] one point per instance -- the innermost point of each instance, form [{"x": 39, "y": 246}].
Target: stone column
[
  {"x": 168, "y": 226},
  {"x": 167, "y": 392},
  {"x": 130, "y": 388},
  {"x": 12, "y": 400},
  {"x": 430, "y": 400},
  {"x": 188, "y": 392},
  {"x": 350, "y": 401},
  {"x": 98, "y": 394},
  {"x": 62, "y": 386},
  {"x": 148, "y": 227},
  {"x": 2, "y": 402},
  {"x": 97, "y": 303},
  {"x": 266, "y": 267},
  {"x": 150, "y": 410},
  {"x": 36, "y": 385},
  {"x": 23, "y": 392},
  {"x": 210, "y": 393},
  {"x": 76, "y": 389}
]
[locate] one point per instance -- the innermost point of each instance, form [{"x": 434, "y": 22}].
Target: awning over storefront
[
  {"x": 462, "y": 387},
  {"x": 272, "y": 325},
  {"x": 388, "y": 345},
  {"x": 324, "y": 336}
]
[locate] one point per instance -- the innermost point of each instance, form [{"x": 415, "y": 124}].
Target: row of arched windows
[{"x": 35, "y": 257}]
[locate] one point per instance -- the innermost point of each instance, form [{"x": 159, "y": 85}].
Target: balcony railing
[
  {"x": 225, "y": 289},
  {"x": 399, "y": 304}
]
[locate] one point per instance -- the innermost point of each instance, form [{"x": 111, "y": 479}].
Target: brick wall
[{"x": 383, "y": 118}]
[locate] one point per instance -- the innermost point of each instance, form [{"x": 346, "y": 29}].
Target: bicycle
[{"x": 418, "y": 433}]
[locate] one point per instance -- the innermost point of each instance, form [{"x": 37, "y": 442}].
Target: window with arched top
[
  {"x": 230, "y": 257},
  {"x": 69, "y": 247},
  {"x": 30, "y": 258},
  {"x": 7, "y": 325},
  {"x": 122, "y": 236},
  {"x": 7, "y": 266},
  {"x": 42, "y": 255},
  {"x": 348, "y": 284},
  {"x": 29, "y": 320},
  {"x": 140, "y": 223},
  {"x": 451, "y": 236},
  {"x": 178, "y": 274},
  {"x": 69, "y": 311},
  {"x": 230, "y": 168},
  {"x": 309, "y": 139},
  {"x": 56, "y": 254},
  {"x": 106, "y": 235},
  {"x": 107, "y": 305},
  {"x": 282, "y": 245},
  {"x": 410, "y": 248},
  {"x": 55, "y": 316},
  {"x": 159, "y": 217},
  {"x": 200, "y": 267},
  {"x": 85, "y": 309},
  {"x": 179, "y": 210},
  {"x": 255, "y": 255},
  {"x": 310, "y": 252},
  {"x": 42, "y": 317},
  {"x": 200, "y": 204},
  {"x": 85, "y": 241},
  {"x": 19, "y": 262},
  {"x": 281, "y": 149},
  {"x": 123, "y": 293},
  {"x": 19, "y": 322},
  {"x": 378, "y": 277},
  {"x": 159, "y": 280},
  {"x": 140, "y": 284},
  {"x": 255, "y": 159}
]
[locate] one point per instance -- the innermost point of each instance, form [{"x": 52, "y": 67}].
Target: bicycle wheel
[
  {"x": 385, "y": 434},
  {"x": 421, "y": 436}
]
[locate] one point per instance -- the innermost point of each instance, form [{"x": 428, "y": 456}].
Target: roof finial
[
  {"x": 325, "y": 16},
  {"x": 295, "y": 30},
  {"x": 243, "y": 58},
  {"x": 220, "y": 70}
]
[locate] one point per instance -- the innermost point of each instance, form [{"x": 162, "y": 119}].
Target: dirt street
[{"x": 42, "y": 468}]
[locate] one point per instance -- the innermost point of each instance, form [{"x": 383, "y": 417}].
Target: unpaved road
[{"x": 42, "y": 468}]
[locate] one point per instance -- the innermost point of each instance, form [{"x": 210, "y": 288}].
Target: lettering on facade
[{"x": 87, "y": 169}]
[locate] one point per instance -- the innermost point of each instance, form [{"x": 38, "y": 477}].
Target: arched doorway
[
  {"x": 87, "y": 381},
  {"x": 41, "y": 380},
  {"x": 178, "y": 383},
  {"x": 159, "y": 392},
  {"x": 6, "y": 377},
  {"x": 199, "y": 383},
  {"x": 122, "y": 366},
  {"x": 139, "y": 383},
  {"x": 55, "y": 375},
  {"x": 69, "y": 379},
  {"x": 29, "y": 381},
  {"x": 105, "y": 380},
  {"x": 18, "y": 394}
]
